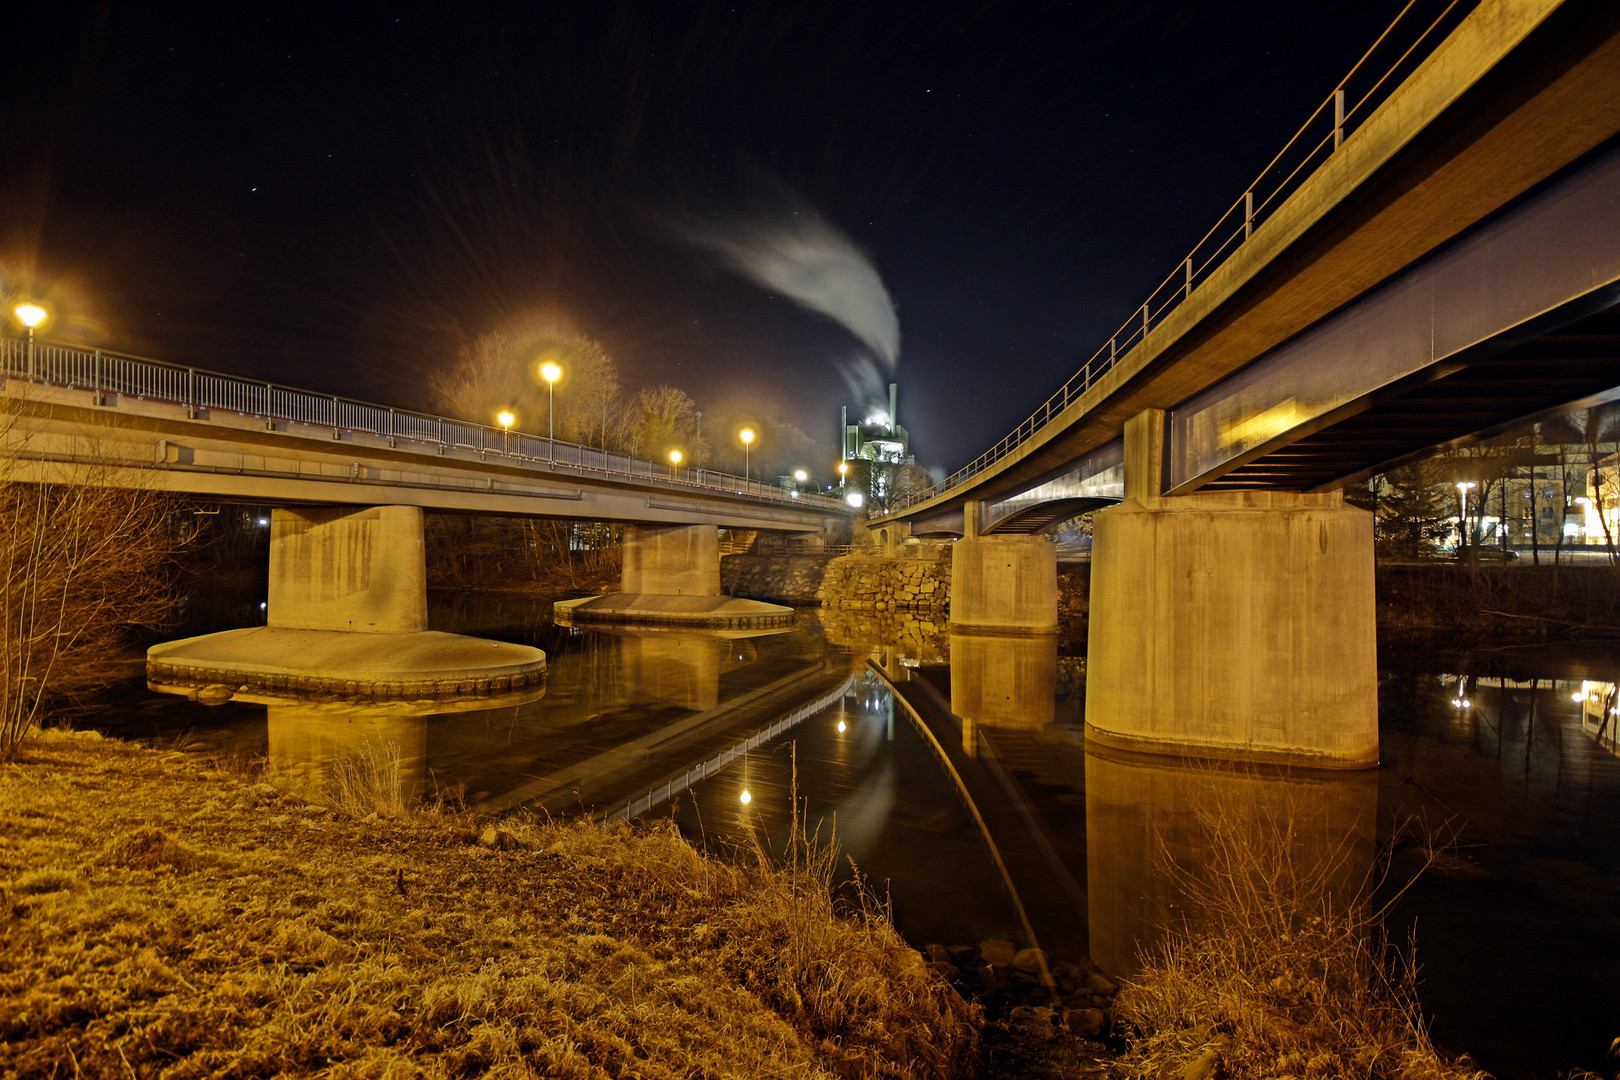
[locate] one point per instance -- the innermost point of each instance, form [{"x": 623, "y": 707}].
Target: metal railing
[
  {"x": 109, "y": 374},
  {"x": 1404, "y": 44}
]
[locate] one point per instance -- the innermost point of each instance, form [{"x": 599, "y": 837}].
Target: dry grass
[
  {"x": 163, "y": 918},
  {"x": 1279, "y": 968}
]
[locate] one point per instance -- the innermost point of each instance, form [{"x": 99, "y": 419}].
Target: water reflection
[
  {"x": 1157, "y": 826},
  {"x": 1002, "y": 681}
]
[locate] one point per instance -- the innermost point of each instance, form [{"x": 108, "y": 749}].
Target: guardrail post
[
  {"x": 1338, "y": 117},
  {"x": 1145, "y": 318},
  {"x": 336, "y": 433},
  {"x": 191, "y": 393},
  {"x": 441, "y": 435},
  {"x": 1248, "y": 214},
  {"x": 391, "y": 426},
  {"x": 269, "y": 418},
  {"x": 95, "y": 378},
  {"x": 1187, "y": 266}
]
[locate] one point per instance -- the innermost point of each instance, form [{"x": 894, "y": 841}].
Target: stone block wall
[
  {"x": 779, "y": 579},
  {"x": 875, "y": 583}
]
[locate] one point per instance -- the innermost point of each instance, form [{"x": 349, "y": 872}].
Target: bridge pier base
[
  {"x": 1232, "y": 625},
  {"x": 346, "y": 615},
  {"x": 1004, "y": 584},
  {"x": 672, "y": 578}
]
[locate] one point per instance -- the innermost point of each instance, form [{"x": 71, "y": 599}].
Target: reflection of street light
[
  {"x": 30, "y": 315},
  {"x": 747, "y": 436},
  {"x": 674, "y": 462},
  {"x": 505, "y": 419}
]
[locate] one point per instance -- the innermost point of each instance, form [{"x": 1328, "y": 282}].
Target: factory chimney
[{"x": 894, "y": 421}]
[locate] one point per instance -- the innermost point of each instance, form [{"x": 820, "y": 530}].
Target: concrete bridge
[
  {"x": 352, "y": 481},
  {"x": 1418, "y": 274}
]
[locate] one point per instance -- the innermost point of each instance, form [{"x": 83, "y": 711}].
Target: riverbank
[{"x": 163, "y": 916}]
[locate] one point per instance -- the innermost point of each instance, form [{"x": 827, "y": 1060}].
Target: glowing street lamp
[
  {"x": 800, "y": 476},
  {"x": 551, "y": 373},
  {"x": 674, "y": 462},
  {"x": 505, "y": 419},
  {"x": 30, "y": 315},
  {"x": 843, "y": 475},
  {"x": 747, "y": 437},
  {"x": 1463, "y": 487}
]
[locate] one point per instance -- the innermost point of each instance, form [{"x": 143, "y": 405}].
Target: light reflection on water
[{"x": 978, "y": 775}]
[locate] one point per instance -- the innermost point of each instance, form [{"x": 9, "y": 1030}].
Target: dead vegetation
[
  {"x": 163, "y": 918},
  {"x": 1279, "y": 966}
]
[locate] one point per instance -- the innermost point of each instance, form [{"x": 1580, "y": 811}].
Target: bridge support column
[
  {"x": 356, "y": 570},
  {"x": 672, "y": 560},
  {"x": 1004, "y": 584},
  {"x": 672, "y": 578},
  {"x": 1232, "y": 625}
]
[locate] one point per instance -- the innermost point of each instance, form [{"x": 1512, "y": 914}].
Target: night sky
[{"x": 338, "y": 196}]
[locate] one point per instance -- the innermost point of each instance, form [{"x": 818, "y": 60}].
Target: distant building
[
  {"x": 877, "y": 438},
  {"x": 878, "y": 454}
]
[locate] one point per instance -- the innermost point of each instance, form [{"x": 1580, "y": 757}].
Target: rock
[
  {"x": 1086, "y": 1022},
  {"x": 1030, "y": 960},
  {"x": 264, "y": 792},
  {"x": 1099, "y": 985},
  {"x": 499, "y": 839},
  {"x": 945, "y": 970},
  {"x": 214, "y": 694},
  {"x": 937, "y": 954},
  {"x": 988, "y": 979},
  {"x": 997, "y": 952}
]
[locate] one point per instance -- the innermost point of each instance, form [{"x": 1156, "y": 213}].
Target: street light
[
  {"x": 551, "y": 373},
  {"x": 674, "y": 462},
  {"x": 747, "y": 436},
  {"x": 505, "y": 419},
  {"x": 843, "y": 475},
  {"x": 31, "y": 315},
  {"x": 1463, "y": 487}
]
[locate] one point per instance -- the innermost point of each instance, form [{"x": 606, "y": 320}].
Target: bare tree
[{"x": 80, "y": 565}]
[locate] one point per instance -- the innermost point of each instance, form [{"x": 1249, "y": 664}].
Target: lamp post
[
  {"x": 747, "y": 437},
  {"x": 843, "y": 475},
  {"x": 551, "y": 373},
  {"x": 30, "y": 315},
  {"x": 505, "y": 419},
  {"x": 1463, "y": 487},
  {"x": 674, "y": 462}
]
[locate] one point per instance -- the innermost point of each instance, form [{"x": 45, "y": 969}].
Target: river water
[{"x": 954, "y": 773}]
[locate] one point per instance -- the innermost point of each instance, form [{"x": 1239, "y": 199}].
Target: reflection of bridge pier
[
  {"x": 308, "y": 741},
  {"x": 1002, "y": 681},
  {"x": 1147, "y": 814}
]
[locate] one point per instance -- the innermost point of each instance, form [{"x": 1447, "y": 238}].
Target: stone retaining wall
[
  {"x": 780, "y": 579},
  {"x": 875, "y": 583}
]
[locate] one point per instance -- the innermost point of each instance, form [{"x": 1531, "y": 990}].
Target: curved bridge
[{"x": 1426, "y": 272}]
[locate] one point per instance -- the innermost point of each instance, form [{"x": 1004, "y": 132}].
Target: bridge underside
[{"x": 1574, "y": 366}]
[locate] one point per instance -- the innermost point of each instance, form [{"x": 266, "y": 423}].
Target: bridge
[
  {"x": 350, "y": 481},
  {"x": 1432, "y": 259}
]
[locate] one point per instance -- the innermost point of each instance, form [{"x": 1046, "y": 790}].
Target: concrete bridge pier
[
  {"x": 1232, "y": 625},
  {"x": 1003, "y": 584},
  {"x": 346, "y": 615},
  {"x": 671, "y": 577}
]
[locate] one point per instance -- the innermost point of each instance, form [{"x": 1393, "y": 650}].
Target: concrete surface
[{"x": 289, "y": 662}]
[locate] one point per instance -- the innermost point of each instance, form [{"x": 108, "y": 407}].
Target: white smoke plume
[{"x": 817, "y": 267}]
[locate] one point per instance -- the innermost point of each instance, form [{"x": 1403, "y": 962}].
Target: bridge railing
[
  {"x": 110, "y": 374},
  {"x": 1414, "y": 34}
]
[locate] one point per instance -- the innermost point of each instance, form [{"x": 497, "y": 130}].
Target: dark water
[{"x": 954, "y": 772}]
